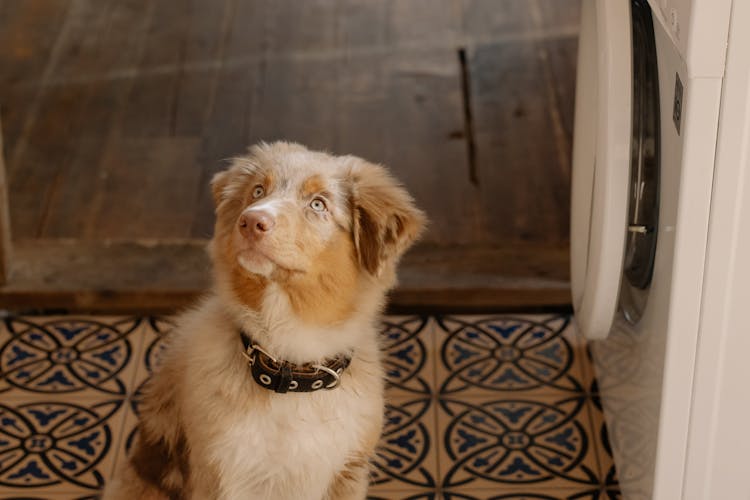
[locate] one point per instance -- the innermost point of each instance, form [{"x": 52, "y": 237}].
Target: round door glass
[{"x": 643, "y": 209}]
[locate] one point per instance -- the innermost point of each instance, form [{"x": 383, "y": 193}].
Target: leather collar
[{"x": 281, "y": 376}]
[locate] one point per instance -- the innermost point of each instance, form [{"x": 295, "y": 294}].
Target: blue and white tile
[
  {"x": 409, "y": 357},
  {"x": 404, "y": 495},
  {"x": 76, "y": 357},
  {"x": 58, "y": 446},
  {"x": 406, "y": 458},
  {"x": 604, "y": 451},
  {"x": 505, "y": 443},
  {"x": 405, "y": 465},
  {"x": 526, "y": 493},
  {"x": 478, "y": 407},
  {"x": 486, "y": 355}
]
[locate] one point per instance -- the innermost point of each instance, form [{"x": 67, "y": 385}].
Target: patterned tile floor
[{"x": 482, "y": 407}]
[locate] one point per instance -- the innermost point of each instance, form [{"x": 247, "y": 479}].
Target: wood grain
[
  {"x": 523, "y": 181},
  {"x": 70, "y": 124},
  {"x": 28, "y": 31}
]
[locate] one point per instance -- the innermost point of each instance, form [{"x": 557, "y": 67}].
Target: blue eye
[
  {"x": 258, "y": 191},
  {"x": 318, "y": 205}
]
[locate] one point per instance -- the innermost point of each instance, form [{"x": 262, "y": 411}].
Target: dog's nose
[{"x": 255, "y": 224}]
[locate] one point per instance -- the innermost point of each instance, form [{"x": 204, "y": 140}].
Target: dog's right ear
[{"x": 385, "y": 221}]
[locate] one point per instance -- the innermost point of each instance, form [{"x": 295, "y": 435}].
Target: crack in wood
[{"x": 471, "y": 148}]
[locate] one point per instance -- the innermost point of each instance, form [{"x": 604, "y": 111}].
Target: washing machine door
[{"x": 601, "y": 163}]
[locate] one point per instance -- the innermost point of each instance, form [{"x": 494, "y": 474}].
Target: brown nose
[{"x": 255, "y": 224}]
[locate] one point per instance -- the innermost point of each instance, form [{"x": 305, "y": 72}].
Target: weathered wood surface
[
  {"x": 118, "y": 112},
  {"x": 157, "y": 276},
  {"x": 145, "y": 276}
]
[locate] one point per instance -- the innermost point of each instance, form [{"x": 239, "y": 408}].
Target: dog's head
[{"x": 321, "y": 229}]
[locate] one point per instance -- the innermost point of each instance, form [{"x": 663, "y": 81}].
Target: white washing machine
[{"x": 660, "y": 225}]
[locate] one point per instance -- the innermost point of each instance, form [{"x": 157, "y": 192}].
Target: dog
[{"x": 272, "y": 387}]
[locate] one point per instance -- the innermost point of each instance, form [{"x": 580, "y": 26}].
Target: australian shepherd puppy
[{"x": 272, "y": 388}]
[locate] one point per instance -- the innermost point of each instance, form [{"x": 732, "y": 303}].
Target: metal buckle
[
  {"x": 249, "y": 355},
  {"x": 251, "y": 351},
  {"x": 336, "y": 376}
]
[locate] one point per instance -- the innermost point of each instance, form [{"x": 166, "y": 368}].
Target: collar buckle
[
  {"x": 251, "y": 353},
  {"x": 281, "y": 376},
  {"x": 335, "y": 374}
]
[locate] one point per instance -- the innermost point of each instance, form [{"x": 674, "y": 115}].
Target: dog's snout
[{"x": 255, "y": 224}]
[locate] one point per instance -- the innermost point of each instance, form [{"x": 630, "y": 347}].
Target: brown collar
[{"x": 281, "y": 376}]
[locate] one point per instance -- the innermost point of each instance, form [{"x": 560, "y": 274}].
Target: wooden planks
[
  {"x": 147, "y": 204},
  {"x": 121, "y": 111},
  {"x": 29, "y": 30},
  {"x": 78, "y": 276},
  {"x": 523, "y": 182},
  {"x": 379, "y": 79},
  {"x": 54, "y": 169},
  {"x": 167, "y": 276}
]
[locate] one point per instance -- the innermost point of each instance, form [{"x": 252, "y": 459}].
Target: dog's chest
[{"x": 298, "y": 441}]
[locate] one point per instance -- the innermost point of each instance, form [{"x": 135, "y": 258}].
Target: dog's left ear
[
  {"x": 218, "y": 184},
  {"x": 385, "y": 221}
]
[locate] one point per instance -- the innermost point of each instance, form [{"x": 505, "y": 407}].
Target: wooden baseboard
[{"x": 147, "y": 277}]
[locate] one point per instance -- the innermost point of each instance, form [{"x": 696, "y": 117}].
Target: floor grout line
[{"x": 437, "y": 439}]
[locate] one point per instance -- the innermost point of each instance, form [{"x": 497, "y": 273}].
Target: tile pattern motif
[
  {"x": 490, "y": 407},
  {"x": 64, "y": 355}
]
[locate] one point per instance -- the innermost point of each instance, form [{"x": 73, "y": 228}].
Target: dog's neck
[{"x": 281, "y": 332}]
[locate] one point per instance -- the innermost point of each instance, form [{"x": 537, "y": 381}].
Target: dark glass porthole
[{"x": 643, "y": 205}]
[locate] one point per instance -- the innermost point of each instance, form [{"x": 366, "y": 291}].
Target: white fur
[
  {"x": 292, "y": 447},
  {"x": 271, "y": 207}
]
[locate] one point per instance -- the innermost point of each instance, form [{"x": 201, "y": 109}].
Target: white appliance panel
[
  {"x": 645, "y": 369},
  {"x": 699, "y": 29},
  {"x": 629, "y": 363}
]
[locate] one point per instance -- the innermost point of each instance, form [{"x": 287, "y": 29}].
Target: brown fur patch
[
  {"x": 326, "y": 293},
  {"x": 249, "y": 288},
  {"x": 385, "y": 220},
  {"x": 367, "y": 236},
  {"x": 350, "y": 481},
  {"x": 156, "y": 463},
  {"x": 312, "y": 185},
  {"x": 269, "y": 182}
]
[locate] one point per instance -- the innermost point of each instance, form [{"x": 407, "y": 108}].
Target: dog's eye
[
  {"x": 258, "y": 191},
  {"x": 318, "y": 205}
]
